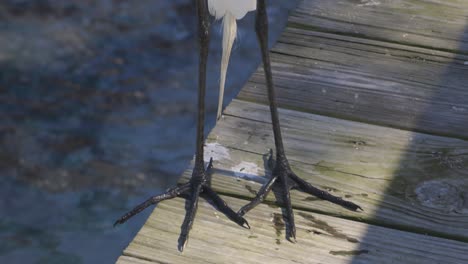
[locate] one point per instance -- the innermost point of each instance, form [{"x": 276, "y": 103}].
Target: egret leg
[
  {"x": 282, "y": 175},
  {"x": 199, "y": 184}
]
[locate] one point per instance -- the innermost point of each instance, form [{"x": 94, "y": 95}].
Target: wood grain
[
  {"x": 435, "y": 24},
  {"x": 321, "y": 239},
  {"x": 369, "y": 81},
  {"x": 374, "y": 108},
  {"x": 398, "y": 177}
]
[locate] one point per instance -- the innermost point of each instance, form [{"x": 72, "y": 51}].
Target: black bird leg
[
  {"x": 199, "y": 183},
  {"x": 282, "y": 175}
]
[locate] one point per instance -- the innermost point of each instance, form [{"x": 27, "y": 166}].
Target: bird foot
[
  {"x": 284, "y": 179},
  {"x": 198, "y": 185}
]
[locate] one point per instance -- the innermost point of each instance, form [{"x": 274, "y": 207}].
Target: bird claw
[
  {"x": 191, "y": 190},
  {"x": 284, "y": 179}
]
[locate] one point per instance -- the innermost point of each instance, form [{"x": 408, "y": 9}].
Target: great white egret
[{"x": 282, "y": 175}]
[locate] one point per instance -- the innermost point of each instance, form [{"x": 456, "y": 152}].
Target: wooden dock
[{"x": 374, "y": 108}]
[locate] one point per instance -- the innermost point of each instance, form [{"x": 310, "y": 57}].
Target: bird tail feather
[{"x": 229, "y": 35}]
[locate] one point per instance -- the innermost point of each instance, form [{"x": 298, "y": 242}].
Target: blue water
[{"x": 97, "y": 112}]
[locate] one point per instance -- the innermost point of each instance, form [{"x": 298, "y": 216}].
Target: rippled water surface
[{"x": 97, "y": 112}]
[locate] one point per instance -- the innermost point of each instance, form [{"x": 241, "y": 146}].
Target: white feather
[
  {"x": 230, "y": 11},
  {"x": 238, "y": 8},
  {"x": 229, "y": 35}
]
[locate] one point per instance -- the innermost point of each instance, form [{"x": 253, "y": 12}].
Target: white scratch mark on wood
[{"x": 216, "y": 151}]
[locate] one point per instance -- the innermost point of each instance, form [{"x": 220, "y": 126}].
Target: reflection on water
[{"x": 96, "y": 113}]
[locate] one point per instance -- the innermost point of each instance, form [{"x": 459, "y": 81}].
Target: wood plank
[
  {"x": 321, "y": 239},
  {"x": 132, "y": 260},
  {"x": 434, "y": 24},
  {"x": 405, "y": 180},
  {"x": 370, "y": 81},
  {"x": 399, "y": 64}
]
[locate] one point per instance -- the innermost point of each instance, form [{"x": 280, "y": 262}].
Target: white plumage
[
  {"x": 238, "y": 8},
  {"x": 230, "y": 11}
]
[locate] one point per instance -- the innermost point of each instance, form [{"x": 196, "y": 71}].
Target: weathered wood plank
[
  {"x": 369, "y": 81},
  {"x": 132, "y": 260},
  {"x": 406, "y": 180},
  {"x": 400, "y": 64},
  {"x": 435, "y": 24},
  {"x": 321, "y": 239}
]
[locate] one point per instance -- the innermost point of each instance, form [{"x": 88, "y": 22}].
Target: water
[{"x": 97, "y": 112}]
